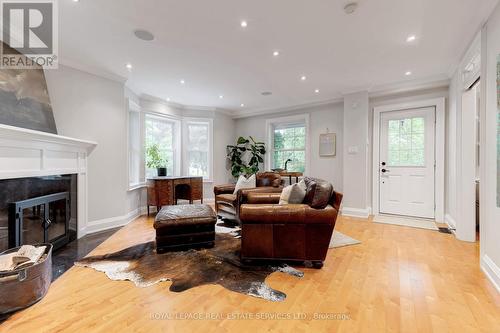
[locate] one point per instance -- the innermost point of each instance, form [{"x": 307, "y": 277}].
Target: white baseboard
[
  {"x": 491, "y": 270},
  {"x": 120, "y": 221},
  {"x": 356, "y": 212},
  {"x": 114, "y": 222}
]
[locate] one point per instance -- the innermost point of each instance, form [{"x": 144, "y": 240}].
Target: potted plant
[
  {"x": 246, "y": 156},
  {"x": 154, "y": 160}
]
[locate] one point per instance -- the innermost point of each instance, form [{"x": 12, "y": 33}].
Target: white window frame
[
  {"x": 272, "y": 123},
  {"x": 177, "y": 139},
  {"x": 185, "y": 133},
  {"x": 134, "y": 107}
]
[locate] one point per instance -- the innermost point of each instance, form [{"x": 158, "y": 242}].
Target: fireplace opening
[
  {"x": 42, "y": 219},
  {"x": 38, "y": 210}
]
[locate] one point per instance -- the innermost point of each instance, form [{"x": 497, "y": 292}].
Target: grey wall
[
  {"x": 356, "y": 164},
  {"x": 93, "y": 108},
  {"x": 321, "y": 118}
]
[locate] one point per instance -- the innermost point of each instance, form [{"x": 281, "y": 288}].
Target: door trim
[{"x": 439, "y": 105}]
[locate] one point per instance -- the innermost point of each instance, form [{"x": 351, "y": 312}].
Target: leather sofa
[
  {"x": 293, "y": 232},
  {"x": 227, "y": 203}
]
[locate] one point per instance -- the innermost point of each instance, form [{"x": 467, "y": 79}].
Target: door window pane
[{"x": 406, "y": 142}]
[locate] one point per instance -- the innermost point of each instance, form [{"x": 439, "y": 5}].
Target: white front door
[{"x": 407, "y": 162}]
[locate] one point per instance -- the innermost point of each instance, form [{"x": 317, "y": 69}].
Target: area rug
[
  {"x": 188, "y": 269},
  {"x": 406, "y": 222},
  {"x": 340, "y": 240}
]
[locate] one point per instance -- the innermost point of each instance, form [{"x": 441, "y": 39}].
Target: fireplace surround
[{"x": 35, "y": 155}]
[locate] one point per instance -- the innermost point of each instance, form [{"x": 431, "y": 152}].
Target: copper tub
[{"x": 26, "y": 286}]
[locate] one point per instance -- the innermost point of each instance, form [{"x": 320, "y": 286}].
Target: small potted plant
[{"x": 156, "y": 161}]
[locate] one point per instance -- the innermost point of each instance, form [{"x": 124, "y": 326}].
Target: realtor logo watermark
[{"x": 30, "y": 28}]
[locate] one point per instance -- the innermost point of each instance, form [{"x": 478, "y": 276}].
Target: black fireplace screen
[{"x": 42, "y": 219}]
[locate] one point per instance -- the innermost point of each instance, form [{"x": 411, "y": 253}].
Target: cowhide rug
[{"x": 188, "y": 269}]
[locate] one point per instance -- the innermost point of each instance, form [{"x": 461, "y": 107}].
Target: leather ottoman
[{"x": 184, "y": 226}]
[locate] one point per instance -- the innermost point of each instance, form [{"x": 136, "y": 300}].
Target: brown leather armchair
[
  {"x": 294, "y": 232},
  {"x": 227, "y": 204}
]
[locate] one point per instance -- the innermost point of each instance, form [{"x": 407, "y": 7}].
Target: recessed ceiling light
[
  {"x": 316, "y": 91},
  {"x": 129, "y": 66},
  {"x": 76, "y": 0},
  {"x": 276, "y": 53},
  {"x": 303, "y": 78},
  {"x": 411, "y": 38},
  {"x": 244, "y": 24},
  {"x": 182, "y": 81},
  {"x": 408, "y": 73},
  {"x": 144, "y": 35},
  {"x": 221, "y": 96},
  {"x": 168, "y": 99},
  {"x": 242, "y": 105}
]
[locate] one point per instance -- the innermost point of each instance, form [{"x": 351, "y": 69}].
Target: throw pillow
[
  {"x": 285, "y": 195},
  {"x": 243, "y": 182},
  {"x": 318, "y": 193},
  {"x": 298, "y": 193},
  {"x": 293, "y": 194}
]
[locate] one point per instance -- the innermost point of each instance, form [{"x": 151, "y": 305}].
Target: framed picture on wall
[{"x": 328, "y": 145}]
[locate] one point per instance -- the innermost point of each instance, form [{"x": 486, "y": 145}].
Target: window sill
[{"x": 133, "y": 187}]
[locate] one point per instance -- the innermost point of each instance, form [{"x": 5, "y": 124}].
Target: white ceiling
[{"x": 203, "y": 43}]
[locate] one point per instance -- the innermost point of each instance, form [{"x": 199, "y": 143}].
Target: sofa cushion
[
  {"x": 227, "y": 198},
  {"x": 318, "y": 192},
  {"x": 244, "y": 182},
  {"x": 293, "y": 194}
]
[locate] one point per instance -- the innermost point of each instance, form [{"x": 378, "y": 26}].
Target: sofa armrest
[
  {"x": 286, "y": 214},
  {"x": 224, "y": 189},
  {"x": 263, "y": 198}
]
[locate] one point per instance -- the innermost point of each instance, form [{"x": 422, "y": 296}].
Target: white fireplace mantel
[{"x": 28, "y": 153}]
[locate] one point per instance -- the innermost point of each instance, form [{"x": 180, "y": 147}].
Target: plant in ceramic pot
[{"x": 154, "y": 160}]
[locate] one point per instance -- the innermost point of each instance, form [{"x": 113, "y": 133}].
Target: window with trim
[
  {"x": 136, "y": 175},
  {"x": 288, "y": 143},
  {"x": 198, "y": 143},
  {"x": 161, "y": 131}
]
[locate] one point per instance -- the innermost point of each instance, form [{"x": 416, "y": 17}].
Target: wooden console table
[
  {"x": 290, "y": 175},
  {"x": 163, "y": 191}
]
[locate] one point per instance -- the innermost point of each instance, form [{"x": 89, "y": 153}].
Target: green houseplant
[
  {"x": 246, "y": 156},
  {"x": 154, "y": 160}
]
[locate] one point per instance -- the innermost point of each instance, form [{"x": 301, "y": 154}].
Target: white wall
[
  {"x": 93, "y": 108},
  {"x": 490, "y": 213},
  {"x": 321, "y": 118}
]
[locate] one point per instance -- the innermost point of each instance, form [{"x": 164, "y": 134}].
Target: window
[
  {"x": 407, "y": 142},
  {"x": 198, "y": 145},
  {"x": 136, "y": 175},
  {"x": 161, "y": 131},
  {"x": 288, "y": 142}
]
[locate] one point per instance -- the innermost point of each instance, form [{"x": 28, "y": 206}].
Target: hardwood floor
[{"x": 398, "y": 280}]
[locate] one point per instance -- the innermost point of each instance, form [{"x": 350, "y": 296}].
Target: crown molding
[
  {"x": 182, "y": 107},
  {"x": 439, "y": 81},
  {"x": 93, "y": 70},
  {"x": 258, "y": 112}
]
